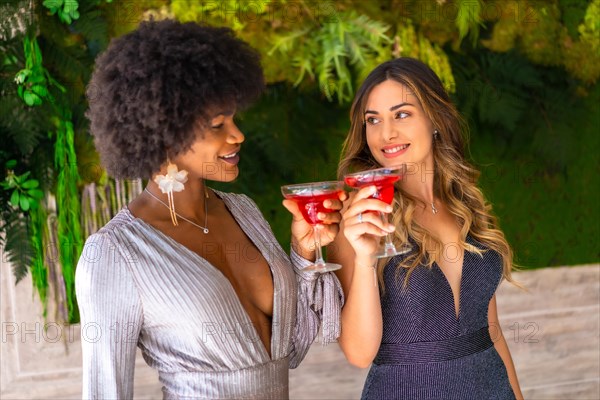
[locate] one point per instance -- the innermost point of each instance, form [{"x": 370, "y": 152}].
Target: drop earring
[
  {"x": 436, "y": 134},
  {"x": 172, "y": 182}
]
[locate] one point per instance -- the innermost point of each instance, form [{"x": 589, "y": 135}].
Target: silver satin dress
[{"x": 137, "y": 287}]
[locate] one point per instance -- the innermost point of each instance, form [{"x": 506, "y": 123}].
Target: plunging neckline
[
  {"x": 202, "y": 260},
  {"x": 456, "y": 313}
]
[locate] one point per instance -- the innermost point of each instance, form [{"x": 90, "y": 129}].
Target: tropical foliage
[{"x": 523, "y": 72}]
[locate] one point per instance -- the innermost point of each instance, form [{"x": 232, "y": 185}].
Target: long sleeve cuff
[{"x": 323, "y": 293}]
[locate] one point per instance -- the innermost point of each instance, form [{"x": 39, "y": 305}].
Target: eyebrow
[{"x": 393, "y": 108}]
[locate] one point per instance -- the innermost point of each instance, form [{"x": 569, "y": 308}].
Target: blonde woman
[{"x": 428, "y": 322}]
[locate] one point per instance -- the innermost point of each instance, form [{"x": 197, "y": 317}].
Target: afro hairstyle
[{"x": 153, "y": 87}]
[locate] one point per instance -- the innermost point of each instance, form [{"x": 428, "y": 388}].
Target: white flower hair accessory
[{"x": 172, "y": 182}]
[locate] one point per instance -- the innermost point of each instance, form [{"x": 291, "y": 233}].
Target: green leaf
[
  {"x": 28, "y": 97},
  {"x": 10, "y": 164},
  {"x": 468, "y": 18},
  {"x": 70, "y": 6},
  {"x": 31, "y": 99},
  {"x": 14, "y": 198},
  {"x": 30, "y": 184},
  {"x": 24, "y": 203},
  {"x": 53, "y": 5},
  {"x": 40, "y": 90},
  {"x": 36, "y": 194},
  {"x": 64, "y": 17},
  {"x": 24, "y": 177}
]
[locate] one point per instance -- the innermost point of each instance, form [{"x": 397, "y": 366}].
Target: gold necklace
[{"x": 204, "y": 228}]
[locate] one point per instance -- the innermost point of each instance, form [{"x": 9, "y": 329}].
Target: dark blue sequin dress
[{"x": 427, "y": 352}]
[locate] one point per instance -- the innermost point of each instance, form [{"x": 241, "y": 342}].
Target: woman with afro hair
[{"x": 192, "y": 276}]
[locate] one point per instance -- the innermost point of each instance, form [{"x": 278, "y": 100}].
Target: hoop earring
[{"x": 173, "y": 181}]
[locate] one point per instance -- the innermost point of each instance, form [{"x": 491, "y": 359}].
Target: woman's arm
[
  {"x": 320, "y": 297},
  {"x": 362, "y": 324},
  {"x": 502, "y": 347},
  {"x": 111, "y": 320}
]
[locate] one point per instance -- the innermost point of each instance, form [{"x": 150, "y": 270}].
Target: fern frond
[
  {"x": 68, "y": 63},
  {"x": 493, "y": 100},
  {"x": 326, "y": 65},
  {"x": 17, "y": 245},
  {"x": 305, "y": 67},
  {"x": 372, "y": 30},
  {"x": 468, "y": 19},
  {"x": 92, "y": 25},
  {"x": 510, "y": 68},
  {"x": 19, "y": 125},
  {"x": 285, "y": 43},
  {"x": 357, "y": 55}
]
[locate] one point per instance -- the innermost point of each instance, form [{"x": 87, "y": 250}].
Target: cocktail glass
[
  {"x": 384, "y": 179},
  {"x": 310, "y": 198}
]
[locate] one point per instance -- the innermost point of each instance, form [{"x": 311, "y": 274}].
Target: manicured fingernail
[
  {"x": 391, "y": 228},
  {"x": 321, "y": 215},
  {"x": 388, "y": 209},
  {"x": 327, "y": 203}
]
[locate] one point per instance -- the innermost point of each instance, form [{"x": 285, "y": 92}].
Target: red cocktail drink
[
  {"x": 384, "y": 184},
  {"x": 311, "y": 205}
]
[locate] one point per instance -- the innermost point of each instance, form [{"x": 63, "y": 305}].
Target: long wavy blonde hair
[{"x": 455, "y": 180}]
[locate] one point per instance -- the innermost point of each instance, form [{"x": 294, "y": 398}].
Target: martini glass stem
[
  {"x": 389, "y": 248},
  {"x": 318, "y": 253}
]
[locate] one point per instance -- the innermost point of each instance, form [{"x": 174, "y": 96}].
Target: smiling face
[
  {"x": 397, "y": 129},
  {"x": 215, "y": 153}
]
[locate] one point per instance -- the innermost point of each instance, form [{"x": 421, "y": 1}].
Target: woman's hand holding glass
[
  {"x": 303, "y": 233},
  {"x": 363, "y": 225}
]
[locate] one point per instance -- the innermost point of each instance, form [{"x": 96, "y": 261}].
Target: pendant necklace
[{"x": 204, "y": 228}]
